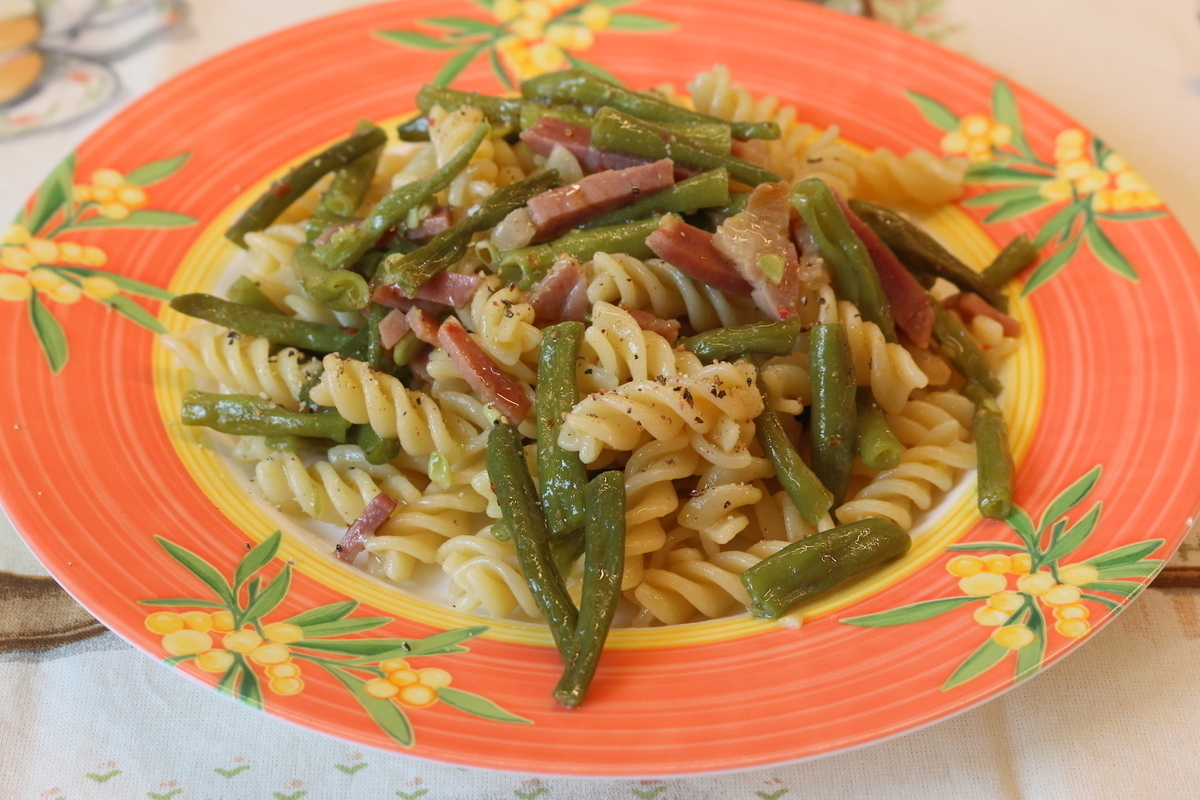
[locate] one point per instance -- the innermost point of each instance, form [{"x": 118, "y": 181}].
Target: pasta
[{"x": 703, "y": 501}]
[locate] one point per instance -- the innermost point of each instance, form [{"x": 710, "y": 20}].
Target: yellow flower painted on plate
[{"x": 976, "y": 136}]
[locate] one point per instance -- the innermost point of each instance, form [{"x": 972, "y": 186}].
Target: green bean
[
  {"x": 278, "y": 328},
  {"x": 808, "y": 494},
  {"x": 582, "y": 88},
  {"x": 520, "y": 511},
  {"x": 706, "y": 190},
  {"x": 817, "y": 563},
  {"x": 958, "y": 346},
  {"x": 377, "y": 449},
  {"x": 736, "y": 204},
  {"x": 349, "y": 244},
  {"x": 878, "y": 447},
  {"x": 834, "y": 425},
  {"x": 850, "y": 264},
  {"x": 922, "y": 254},
  {"x": 248, "y": 415},
  {"x": 572, "y": 115},
  {"x": 528, "y": 265},
  {"x": 712, "y": 135},
  {"x": 603, "y": 567},
  {"x": 503, "y": 113},
  {"x": 405, "y": 349},
  {"x": 299, "y": 180},
  {"x": 561, "y": 474},
  {"x": 377, "y": 355},
  {"x": 627, "y": 134},
  {"x": 246, "y": 292},
  {"x": 299, "y": 444},
  {"x": 415, "y": 130},
  {"x": 995, "y": 461},
  {"x": 410, "y": 271},
  {"x": 1018, "y": 254},
  {"x": 566, "y": 552},
  {"x": 339, "y": 289},
  {"x": 345, "y": 194},
  {"x": 764, "y": 338}
]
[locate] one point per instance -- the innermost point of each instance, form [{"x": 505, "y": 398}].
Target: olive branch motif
[
  {"x": 1045, "y": 586},
  {"x": 230, "y": 637}
]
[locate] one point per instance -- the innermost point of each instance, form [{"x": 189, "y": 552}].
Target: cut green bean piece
[
  {"x": 306, "y": 445},
  {"x": 248, "y": 415},
  {"x": 377, "y": 355},
  {"x": 706, "y": 190},
  {"x": 805, "y": 489},
  {"x": 582, "y": 88},
  {"x": 528, "y": 265},
  {"x": 503, "y": 113},
  {"x": 339, "y": 289},
  {"x": 1018, "y": 254},
  {"x": 410, "y": 271},
  {"x": 761, "y": 338},
  {"x": 573, "y": 115},
  {"x": 817, "y": 563},
  {"x": 561, "y": 473},
  {"x": 520, "y": 511},
  {"x": 345, "y": 194},
  {"x": 278, "y": 328},
  {"x": 853, "y": 272},
  {"x": 922, "y": 254},
  {"x": 834, "y": 424},
  {"x": 623, "y": 133},
  {"x": 246, "y": 292},
  {"x": 415, "y": 130},
  {"x": 878, "y": 447},
  {"x": 995, "y": 462},
  {"x": 349, "y": 244},
  {"x": 603, "y": 567},
  {"x": 377, "y": 449},
  {"x": 962, "y": 351},
  {"x": 288, "y": 189}
]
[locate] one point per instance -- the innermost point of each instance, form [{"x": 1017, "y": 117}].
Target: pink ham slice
[
  {"x": 690, "y": 250},
  {"x": 596, "y": 194},
  {"x": 548, "y": 131},
  {"x": 393, "y": 328},
  {"x": 911, "y": 307},
  {"x": 444, "y": 289},
  {"x": 374, "y": 515},
  {"x": 423, "y": 324},
  {"x": 432, "y": 225},
  {"x": 971, "y": 305},
  {"x": 562, "y": 294},
  {"x": 763, "y": 230},
  {"x": 490, "y": 382},
  {"x": 666, "y": 328}
]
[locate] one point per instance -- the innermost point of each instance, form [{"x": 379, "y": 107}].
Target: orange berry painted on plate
[
  {"x": 434, "y": 678},
  {"x": 999, "y": 563},
  {"x": 283, "y": 632},
  {"x": 417, "y": 695},
  {"x": 222, "y": 621},
  {"x": 1014, "y": 637},
  {"x": 186, "y": 642},
  {"x": 286, "y": 686},
  {"x": 983, "y": 584},
  {"x": 15, "y": 288},
  {"x": 1072, "y": 628},
  {"x": 214, "y": 660},
  {"x": 381, "y": 688},
  {"x": 1062, "y": 595},
  {"x": 1006, "y": 601},
  {"x": 197, "y": 620},
  {"x": 1073, "y": 611},
  {"x": 242, "y": 641},
  {"x": 100, "y": 287},
  {"x": 403, "y": 677},
  {"x": 288, "y": 669},
  {"x": 1036, "y": 584},
  {"x": 1022, "y": 563},
  {"x": 1079, "y": 574},
  {"x": 964, "y": 566},
  {"x": 164, "y": 622},
  {"x": 393, "y": 665},
  {"x": 270, "y": 653},
  {"x": 990, "y": 617},
  {"x": 44, "y": 250}
]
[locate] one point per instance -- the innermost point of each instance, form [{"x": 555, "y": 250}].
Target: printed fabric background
[{"x": 88, "y": 717}]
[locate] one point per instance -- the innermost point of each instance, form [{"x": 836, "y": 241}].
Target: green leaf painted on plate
[
  {"x": 1051, "y": 267},
  {"x": 984, "y": 172},
  {"x": 326, "y": 613},
  {"x": 933, "y": 111},
  {"x": 203, "y": 570},
  {"x": 1003, "y": 196},
  {"x": 499, "y": 70},
  {"x": 1029, "y": 658},
  {"x": 356, "y": 647},
  {"x": 1108, "y": 253},
  {"x": 175, "y": 661},
  {"x": 1020, "y": 522},
  {"x": 916, "y": 612},
  {"x": 640, "y": 23},
  {"x": 1138, "y": 569},
  {"x": 434, "y": 644},
  {"x": 1128, "y": 554},
  {"x": 229, "y": 681},
  {"x": 484, "y": 4},
  {"x": 417, "y": 41},
  {"x": 52, "y": 195},
  {"x": 157, "y": 171},
  {"x": 344, "y": 627},
  {"x": 1123, "y": 588},
  {"x": 130, "y": 310},
  {"x": 454, "y": 65},
  {"x": 256, "y": 559},
  {"x": 145, "y": 218},
  {"x": 478, "y": 706},
  {"x": 988, "y": 655},
  {"x": 271, "y": 596},
  {"x": 1129, "y": 216},
  {"x": 1004, "y": 110},
  {"x": 1073, "y": 538},
  {"x": 249, "y": 690},
  {"x": 616, "y": 3},
  {"x": 123, "y": 283},
  {"x": 49, "y": 332},
  {"x": 1062, "y": 220},
  {"x": 1111, "y": 604},
  {"x": 986, "y": 546},
  {"x": 386, "y": 714},
  {"x": 595, "y": 69},
  {"x": 461, "y": 24},
  {"x": 1071, "y": 496},
  {"x": 1016, "y": 208},
  {"x": 181, "y": 602}
]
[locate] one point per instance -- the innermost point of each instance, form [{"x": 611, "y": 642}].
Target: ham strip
[
  {"x": 432, "y": 225},
  {"x": 666, "y": 328},
  {"x": 488, "y": 381},
  {"x": 375, "y": 514},
  {"x": 423, "y": 324},
  {"x": 393, "y": 328},
  {"x": 548, "y": 131},
  {"x": 971, "y": 305},
  {"x": 596, "y": 194},
  {"x": 562, "y": 294},
  {"x": 691, "y": 251},
  {"x": 444, "y": 289},
  {"x": 760, "y": 233},
  {"x": 911, "y": 307}
]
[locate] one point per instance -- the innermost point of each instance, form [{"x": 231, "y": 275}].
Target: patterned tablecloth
[{"x": 86, "y": 716}]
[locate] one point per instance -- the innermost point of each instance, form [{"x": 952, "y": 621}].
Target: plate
[{"x": 149, "y": 529}]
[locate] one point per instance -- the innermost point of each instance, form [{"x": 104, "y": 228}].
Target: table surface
[{"x": 89, "y": 717}]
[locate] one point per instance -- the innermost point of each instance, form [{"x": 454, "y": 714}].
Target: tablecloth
[{"x": 87, "y": 716}]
